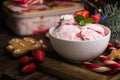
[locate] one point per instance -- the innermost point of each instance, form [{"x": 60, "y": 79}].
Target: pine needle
[{"x": 112, "y": 20}]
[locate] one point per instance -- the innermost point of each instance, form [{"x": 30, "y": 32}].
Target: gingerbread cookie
[
  {"x": 20, "y": 47},
  {"x": 115, "y": 54}
]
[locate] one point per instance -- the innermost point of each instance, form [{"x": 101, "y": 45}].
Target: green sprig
[{"x": 83, "y": 21}]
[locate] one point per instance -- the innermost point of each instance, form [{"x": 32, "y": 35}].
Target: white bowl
[{"x": 78, "y": 51}]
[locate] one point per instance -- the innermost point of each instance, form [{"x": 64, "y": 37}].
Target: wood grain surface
[{"x": 67, "y": 71}]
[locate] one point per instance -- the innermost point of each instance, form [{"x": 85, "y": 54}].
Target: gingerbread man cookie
[{"x": 20, "y": 47}]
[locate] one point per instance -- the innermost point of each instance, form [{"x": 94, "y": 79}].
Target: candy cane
[
  {"x": 97, "y": 68},
  {"x": 109, "y": 62}
]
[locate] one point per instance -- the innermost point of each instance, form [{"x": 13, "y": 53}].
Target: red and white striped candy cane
[
  {"x": 98, "y": 68},
  {"x": 109, "y": 62}
]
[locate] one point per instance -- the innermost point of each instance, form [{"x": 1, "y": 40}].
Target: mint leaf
[
  {"x": 82, "y": 23},
  {"x": 89, "y": 20},
  {"x": 79, "y": 18}
]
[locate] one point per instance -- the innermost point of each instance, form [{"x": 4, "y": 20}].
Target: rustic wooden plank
[
  {"x": 39, "y": 76},
  {"x": 13, "y": 70},
  {"x": 67, "y": 71},
  {"x": 116, "y": 77}
]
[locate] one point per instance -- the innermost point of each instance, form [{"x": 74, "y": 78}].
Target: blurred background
[{"x": 87, "y": 3}]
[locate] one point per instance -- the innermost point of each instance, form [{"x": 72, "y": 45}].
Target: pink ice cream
[{"x": 69, "y": 30}]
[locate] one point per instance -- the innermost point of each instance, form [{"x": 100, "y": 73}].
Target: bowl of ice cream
[{"x": 77, "y": 44}]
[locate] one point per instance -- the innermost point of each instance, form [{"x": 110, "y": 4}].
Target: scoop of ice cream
[
  {"x": 96, "y": 27},
  {"x": 92, "y": 32},
  {"x": 67, "y": 20},
  {"x": 67, "y": 32}
]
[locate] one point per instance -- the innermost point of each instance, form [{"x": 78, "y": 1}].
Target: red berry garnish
[
  {"x": 24, "y": 60},
  {"x": 29, "y": 68},
  {"x": 38, "y": 55},
  {"x": 96, "y": 18},
  {"x": 84, "y": 13}
]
